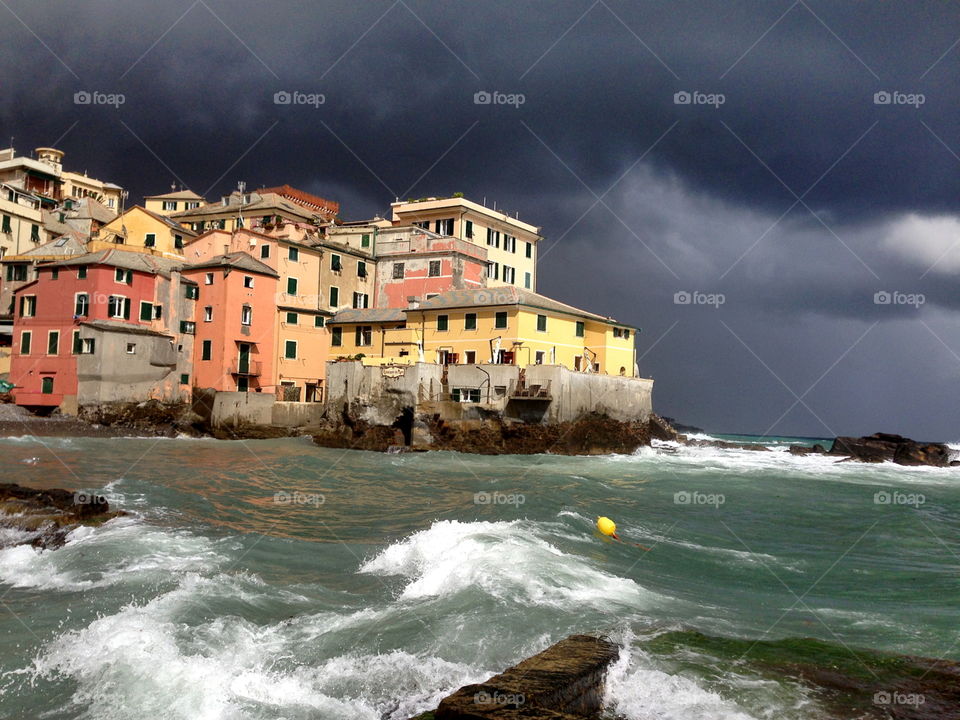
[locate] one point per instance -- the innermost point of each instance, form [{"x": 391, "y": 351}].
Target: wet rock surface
[
  {"x": 44, "y": 518},
  {"x": 885, "y": 447}
]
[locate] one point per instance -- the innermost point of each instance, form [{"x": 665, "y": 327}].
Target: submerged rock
[
  {"x": 885, "y": 447},
  {"x": 45, "y": 517}
]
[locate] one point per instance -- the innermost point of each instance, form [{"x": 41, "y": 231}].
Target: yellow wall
[
  {"x": 612, "y": 353},
  {"x": 156, "y": 205},
  {"x": 138, "y": 223}
]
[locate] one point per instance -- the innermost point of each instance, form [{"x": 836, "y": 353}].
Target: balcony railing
[{"x": 250, "y": 368}]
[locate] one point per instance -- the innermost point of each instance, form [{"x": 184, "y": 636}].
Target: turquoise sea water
[{"x": 276, "y": 579}]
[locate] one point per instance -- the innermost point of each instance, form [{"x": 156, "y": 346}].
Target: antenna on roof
[{"x": 173, "y": 186}]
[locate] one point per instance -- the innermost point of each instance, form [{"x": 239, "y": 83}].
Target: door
[{"x": 243, "y": 365}]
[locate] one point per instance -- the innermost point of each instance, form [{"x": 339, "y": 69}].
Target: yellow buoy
[{"x": 607, "y": 526}]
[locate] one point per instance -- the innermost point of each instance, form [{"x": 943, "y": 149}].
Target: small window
[
  {"x": 527, "y": 278},
  {"x": 291, "y": 286},
  {"x": 579, "y": 329},
  {"x": 334, "y": 297},
  {"x": 361, "y": 269},
  {"x": 293, "y": 318},
  {"x": 336, "y": 336},
  {"x": 150, "y": 240},
  {"x": 361, "y": 300},
  {"x": 293, "y": 254},
  {"x": 248, "y": 281},
  {"x": 89, "y": 346},
  {"x": 208, "y": 279},
  {"x": 398, "y": 271},
  {"x": 264, "y": 251},
  {"x": 246, "y": 315},
  {"x": 146, "y": 311},
  {"x": 365, "y": 240},
  {"x": 81, "y": 305},
  {"x": 542, "y": 323},
  {"x": 443, "y": 322},
  {"x": 434, "y": 269},
  {"x": 538, "y": 357},
  {"x": 157, "y": 312},
  {"x": 191, "y": 292},
  {"x": 206, "y": 350},
  {"x": 501, "y": 320},
  {"x": 336, "y": 263},
  {"x": 118, "y": 307},
  {"x": 46, "y": 385},
  {"x": 55, "y": 274},
  {"x": 82, "y": 272},
  {"x": 469, "y": 230},
  {"x": 7, "y": 227},
  {"x": 187, "y": 327},
  {"x": 290, "y": 350},
  {"x": 131, "y": 348},
  {"x": 184, "y": 379},
  {"x": 169, "y": 204},
  {"x": 529, "y": 250},
  {"x": 35, "y": 237},
  {"x": 25, "y": 341},
  {"x": 364, "y": 335},
  {"x": 178, "y": 242},
  {"x": 470, "y": 321},
  {"x": 28, "y": 306},
  {"x": 318, "y": 321},
  {"x": 470, "y": 357},
  {"x": 77, "y": 347},
  {"x": 208, "y": 313},
  {"x": 53, "y": 342}
]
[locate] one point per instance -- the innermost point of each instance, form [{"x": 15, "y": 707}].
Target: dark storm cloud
[{"x": 798, "y": 198}]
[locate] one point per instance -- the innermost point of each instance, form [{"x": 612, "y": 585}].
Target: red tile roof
[{"x": 328, "y": 207}]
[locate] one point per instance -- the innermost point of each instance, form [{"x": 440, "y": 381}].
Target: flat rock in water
[
  {"x": 45, "y": 517},
  {"x": 886, "y": 447}
]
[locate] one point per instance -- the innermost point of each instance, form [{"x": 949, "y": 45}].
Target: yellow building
[
  {"x": 141, "y": 230},
  {"x": 511, "y": 244},
  {"x": 496, "y": 325},
  {"x": 175, "y": 201}
]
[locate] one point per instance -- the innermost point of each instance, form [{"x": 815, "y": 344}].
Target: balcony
[{"x": 249, "y": 368}]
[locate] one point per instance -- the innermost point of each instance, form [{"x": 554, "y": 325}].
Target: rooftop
[
  {"x": 140, "y": 262},
  {"x": 239, "y": 260},
  {"x": 175, "y": 195},
  {"x": 499, "y": 296},
  {"x": 303, "y": 197},
  {"x": 372, "y": 315},
  {"x": 124, "y": 327}
]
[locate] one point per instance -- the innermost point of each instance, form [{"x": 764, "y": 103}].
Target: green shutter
[
  {"x": 318, "y": 321},
  {"x": 291, "y": 286},
  {"x": 542, "y": 323},
  {"x": 146, "y": 312},
  {"x": 579, "y": 329},
  {"x": 126, "y": 308},
  {"x": 365, "y": 240},
  {"x": 25, "y": 339},
  {"x": 442, "y": 322},
  {"x": 336, "y": 337},
  {"x": 290, "y": 350},
  {"x": 501, "y": 320}
]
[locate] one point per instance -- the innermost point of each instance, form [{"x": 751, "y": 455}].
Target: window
[
  {"x": 291, "y": 286},
  {"x": 434, "y": 269},
  {"x": 146, "y": 311},
  {"x": 188, "y": 328},
  {"x": 542, "y": 323},
  {"x": 293, "y": 318},
  {"x": 442, "y": 322},
  {"x": 208, "y": 279},
  {"x": 248, "y": 281},
  {"x": 527, "y": 278},
  {"x": 178, "y": 242},
  {"x": 318, "y": 321},
  {"x": 509, "y": 274},
  {"x": 361, "y": 269},
  {"x": 493, "y": 270},
  {"x": 470, "y": 321},
  {"x": 336, "y": 336},
  {"x": 246, "y": 315},
  {"x": 16, "y": 272},
  {"x": 77, "y": 344},
  {"x": 334, "y": 297},
  {"x": 467, "y": 395},
  {"x": 243, "y": 384},
  {"x": 444, "y": 227},
  {"x": 184, "y": 379},
  {"x": 336, "y": 263},
  {"x": 529, "y": 251},
  {"x": 208, "y": 313},
  {"x": 169, "y": 204},
  {"x": 364, "y": 335},
  {"x": 28, "y": 305},
  {"x": 118, "y": 307},
  {"x": 55, "y": 274},
  {"x": 626, "y": 333},
  {"x": 150, "y": 240},
  {"x": 579, "y": 329},
  {"x": 398, "y": 271},
  {"x": 82, "y": 272},
  {"x": 6, "y": 224},
  {"x": 131, "y": 348},
  {"x": 191, "y": 292},
  {"x": 53, "y": 342},
  {"x": 290, "y": 349},
  {"x": 470, "y": 357},
  {"x": 538, "y": 357},
  {"x": 264, "y": 251},
  {"x": 469, "y": 230},
  {"x": 509, "y": 243},
  {"x": 46, "y": 385},
  {"x": 35, "y": 236},
  {"x": 192, "y": 205},
  {"x": 157, "y": 312},
  {"x": 123, "y": 276},
  {"x": 206, "y": 350},
  {"x": 361, "y": 300},
  {"x": 293, "y": 254},
  {"x": 616, "y": 332},
  {"x": 88, "y": 346},
  {"x": 365, "y": 240},
  {"x": 501, "y": 320},
  {"x": 25, "y": 337}
]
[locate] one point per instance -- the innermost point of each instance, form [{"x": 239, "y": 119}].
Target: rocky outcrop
[
  {"x": 45, "y": 517},
  {"x": 885, "y": 447},
  {"x": 150, "y": 417},
  {"x": 563, "y": 682}
]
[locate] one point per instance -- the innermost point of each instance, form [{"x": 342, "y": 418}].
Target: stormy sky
[{"x": 768, "y": 188}]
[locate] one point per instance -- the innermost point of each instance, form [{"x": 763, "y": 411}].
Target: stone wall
[{"x": 242, "y": 408}]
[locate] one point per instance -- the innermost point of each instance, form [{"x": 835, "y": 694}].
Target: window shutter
[{"x": 126, "y": 308}]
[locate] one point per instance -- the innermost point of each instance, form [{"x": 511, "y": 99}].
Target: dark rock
[
  {"x": 804, "y": 450},
  {"x": 562, "y": 682},
  {"x": 662, "y": 429},
  {"x": 46, "y": 517},
  {"x": 886, "y": 447}
]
